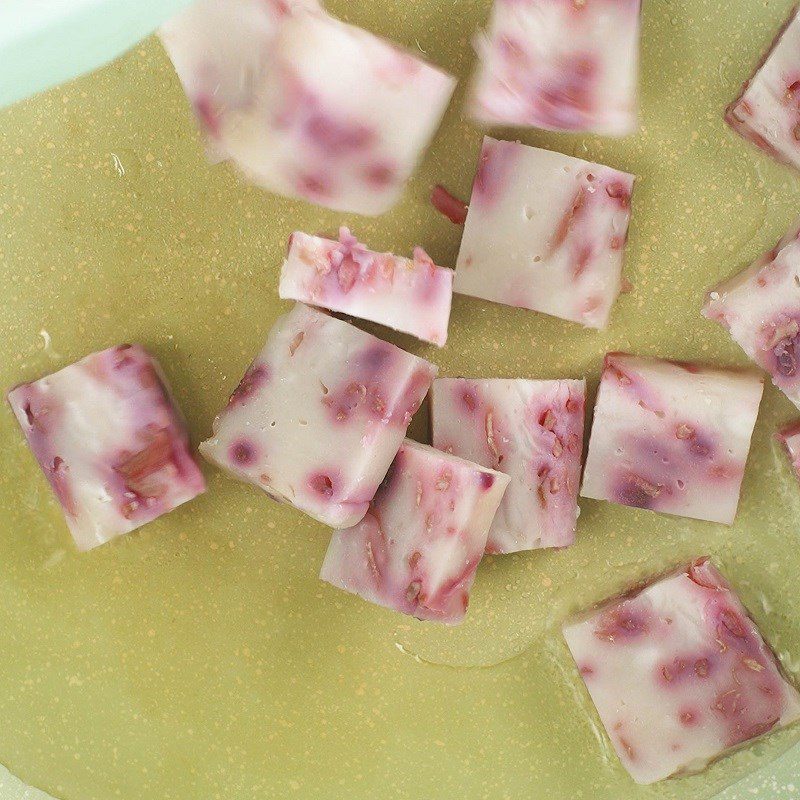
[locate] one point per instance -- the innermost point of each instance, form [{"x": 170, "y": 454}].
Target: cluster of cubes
[{"x": 677, "y": 670}]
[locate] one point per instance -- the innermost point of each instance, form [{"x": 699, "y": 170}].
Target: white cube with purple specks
[
  {"x": 679, "y": 674},
  {"x": 562, "y": 65},
  {"x": 110, "y": 441},
  {"x": 319, "y": 415},
  {"x": 545, "y": 232},
  {"x": 304, "y": 104},
  {"x": 417, "y": 549},
  {"x": 530, "y": 430},
  {"x": 410, "y": 295}
]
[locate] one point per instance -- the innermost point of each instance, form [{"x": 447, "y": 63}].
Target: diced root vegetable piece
[
  {"x": 767, "y": 112},
  {"x": 409, "y": 295},
  {"x": 562, "y": 65},
  {"x": 789, "y": 437},
  {"x": 530, "y": 430},
  {"x": 679, "y": 674},
  {"x": 304, "y": 104},
  {"x": 671, "y": 437},
  {"x": 110, "y": 440},
  {"x": 418, "y": 547},
  {"x": 546, "y": 232},
  {"x": 760, "y": 307},
  {"x": 319, "y": 416}
]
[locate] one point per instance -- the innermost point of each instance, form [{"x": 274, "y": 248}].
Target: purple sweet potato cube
[
  {"x": 304, "y": 104},
  {"x": 110, "y": 440},
  {"x": 417, "y": 549},
  {"x": 679, "y": 674},
  {"x": 562, "y": 65},
  {"x": 409, "y": 295},
  {"x": 319, "y": 415},
  {"x": 530, "y": 430},
  {"x": 546, "y": 232},
  {"x": 671, "y": 437},
  {"x": 760, "y": 308},
  {"x": 767, "y": 112}
]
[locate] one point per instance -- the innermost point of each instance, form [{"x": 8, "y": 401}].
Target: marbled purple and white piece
[
  {"x": 546, "y": 232},
  {"x": 530, "y": 430},
  {"x": 679, "y": 674},
  {"x": 760, "y": 307},
  {"x": 110, "y": 441},
  {"x": 561, "y": 65},
  {"x": 320, "y": 415},
  {"x": 304, "y": 104},
  {"x": 671, "y": 437},
  {"x": 410, "y": 295},
  {"x": 767, "y": 112},
  {"x": 418, "y": 548}
]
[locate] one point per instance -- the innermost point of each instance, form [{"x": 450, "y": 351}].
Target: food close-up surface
[{"x": 274, "y": 252}]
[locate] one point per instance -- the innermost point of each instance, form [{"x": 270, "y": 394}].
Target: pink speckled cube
[
  {"x": 671, "y": 437},
  {"x": 546, "y": 232},
  {"x": 304, "y": 104},
  {"x": 530, "y": 430},
  {"x": 319, "y": 416},
  {"x": 760, "y": 307},
  {"x": 417, "y": 549},
  {"x": 110, "y": 440},
  {"x": 409, "y": 295},
  {"x": 679, "y": 674},
  {"x": 562, "y": 65},
  {"x": 789, "y": 437},
  {"x": 767, "y": 112}
]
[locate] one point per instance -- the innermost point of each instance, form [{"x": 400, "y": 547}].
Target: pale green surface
[
  {"x": 45, "y": 42},
  {"x": 201, "y": 658}
]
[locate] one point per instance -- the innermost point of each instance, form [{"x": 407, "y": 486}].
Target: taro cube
[
  {"x": 409, "y": 295},
  {"x": 679, "y": 674},
  {"x": 760, "y": 307},
  {"x": 530, "y": 430},
  {"x": 671, "y": 437},
  {"x": 306, "y": 105},
  {"x": 110, "y": 441},
  {"x": 767, "y": 112},
  {"x": 319, "y": 416},
  {"x": 562, "y": 65},
  {"x": 546, "y": 232},
  {"x": 220, "y": 50},
  {"x": 418, "y": 548}
]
